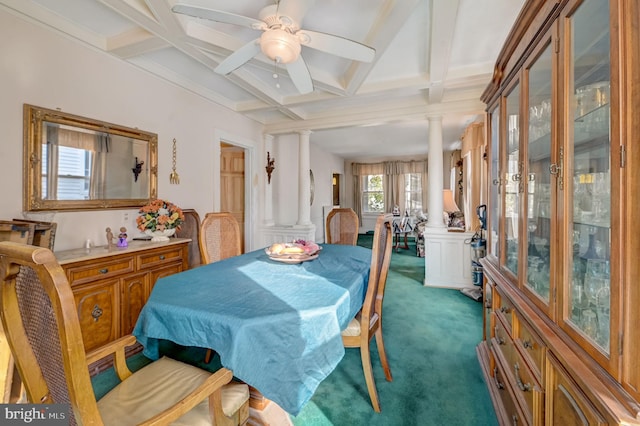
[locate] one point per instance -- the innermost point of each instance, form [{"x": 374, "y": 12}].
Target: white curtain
[
  {"x": 52, "y": 161},
  {"x": 393, "y": 182},
  {"x": 97, "y": 183}
]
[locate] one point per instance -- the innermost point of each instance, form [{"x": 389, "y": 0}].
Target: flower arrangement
[{"x": 159, "y": 215}]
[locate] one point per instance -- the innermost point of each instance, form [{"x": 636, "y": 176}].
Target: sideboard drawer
[
  {"x": 160, "y": 257},
  {"x": 89, "y": 272}
]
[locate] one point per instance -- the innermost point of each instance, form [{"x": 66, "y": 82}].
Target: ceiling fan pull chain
[{"x": 275, "y": 73}]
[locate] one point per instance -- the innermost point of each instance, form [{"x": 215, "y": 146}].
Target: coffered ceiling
[{"x": 432, "y": 57}]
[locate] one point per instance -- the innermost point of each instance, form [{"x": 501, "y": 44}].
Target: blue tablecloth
[{"x": 276, "y": 326}]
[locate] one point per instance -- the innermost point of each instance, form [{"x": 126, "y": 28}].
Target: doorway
[
  {"x": 336, "y": 189},
  {"x": 232, "y": 183}
]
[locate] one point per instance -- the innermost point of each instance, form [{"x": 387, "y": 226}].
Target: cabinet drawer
[
  {"x": 531, "y": 348},
  {"x": 158, "y": 258},
  {"x": 527, "y": 390},
  {"x": 88, "y": 272},
  {"x": 510, "y": 413},
  {"x": 504, "y": 309},
  {"x": 503, "y": 343}
]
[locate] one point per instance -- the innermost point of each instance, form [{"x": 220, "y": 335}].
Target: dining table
[{"x": 275, "y": 324}]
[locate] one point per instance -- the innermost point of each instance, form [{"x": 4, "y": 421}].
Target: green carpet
[{"x": 430, "y": 336}]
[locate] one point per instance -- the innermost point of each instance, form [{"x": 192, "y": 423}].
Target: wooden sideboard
[{"x": 111, "y": 286}]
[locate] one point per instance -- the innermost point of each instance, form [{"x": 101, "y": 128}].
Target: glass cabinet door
[
  {"x": 493, "y": 226},
  {"x": 589, "y": 181},
  {"x": 513, "y": 180},
  {"x": 538, "y": 181}
]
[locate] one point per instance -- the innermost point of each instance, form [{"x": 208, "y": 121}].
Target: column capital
[
  {"x": 434, "y": 118},
  {"x": 304, "y": 132}
]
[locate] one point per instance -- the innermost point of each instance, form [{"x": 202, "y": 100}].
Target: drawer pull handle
[
  {"x": 104, "y": 271},
  {"x": 524, "y": 387},
  {"x": 527, "y": 344},
  {"x": 498, "y": 338},
  {"x": 499, "y": 384},
  {"x": 96, "y": 313},
  {"x": 505, "y": 310},
  {"x": 514, "y": 419},
  {"x": 162, "y": 257}
]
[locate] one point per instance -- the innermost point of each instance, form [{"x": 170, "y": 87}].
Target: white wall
[
  {"x": 41, "y": 67},
  {"x": 285, "y": 181}
]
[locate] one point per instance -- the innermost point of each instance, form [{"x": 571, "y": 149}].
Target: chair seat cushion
[
  {"x": 159, "y": 385},
  {"x": 353, "y": 329}
]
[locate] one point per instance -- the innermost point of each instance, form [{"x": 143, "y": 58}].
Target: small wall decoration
[
  {"x": 270, "y": 166},
  {"x": 137, "y": 169},
  {"x": 174, "y": 179}
]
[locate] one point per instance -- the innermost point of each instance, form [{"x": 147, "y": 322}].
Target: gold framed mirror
[{"x": 77, "y": 163}]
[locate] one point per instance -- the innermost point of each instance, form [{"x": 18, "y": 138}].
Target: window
[
  {"x": 413, "y": 192},
  {"x": 372, "y": 194},
  {"x": 74, "y": 171}
]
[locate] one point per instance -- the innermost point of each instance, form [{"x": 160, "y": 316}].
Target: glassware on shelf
[
  {"x": 603, "y": 302},
  {"x": 590, "y": 323}
]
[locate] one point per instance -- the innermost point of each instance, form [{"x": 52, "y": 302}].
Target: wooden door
[{"x": 232, "y": 184}]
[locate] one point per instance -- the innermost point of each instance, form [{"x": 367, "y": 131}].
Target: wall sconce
[
  {"x": 270, "y": 166},
  {"x": 137, "y": 169}
]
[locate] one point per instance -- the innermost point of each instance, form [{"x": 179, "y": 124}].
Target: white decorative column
[
  {"x": 304, "y": 180},
  {"x": 304, "y": 229},
  {"x": 435, "y": 173},
  {"x": 447, "y": 254},
  {"x": 268, "y": 189}
]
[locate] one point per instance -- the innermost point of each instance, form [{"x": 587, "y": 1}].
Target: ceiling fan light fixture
[{"x": 280, "y": 46}]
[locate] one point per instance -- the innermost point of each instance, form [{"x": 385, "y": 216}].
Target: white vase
[{"x": 160, "y": 236}]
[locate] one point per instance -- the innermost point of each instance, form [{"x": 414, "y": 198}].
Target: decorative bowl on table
[{"x": 296, "y": 252}]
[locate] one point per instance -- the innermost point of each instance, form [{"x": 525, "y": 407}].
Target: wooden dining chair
[
  {"x": 190, "y": 228},
  {"x": 219, "y": 239},
  {"x": 342, "y": 226},
  {"x": 368, "y": 322},
  {"x": 43, "y": 330}
]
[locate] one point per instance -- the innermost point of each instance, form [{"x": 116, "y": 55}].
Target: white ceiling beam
[
  {"x": 392, "y": 17},
  {"x": 136, "y": 42},
  {"x": 444, "y": 14}
]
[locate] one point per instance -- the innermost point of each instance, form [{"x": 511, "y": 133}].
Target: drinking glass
[
  {"x": 590, "y": 323},
  {"x": 593, "y": 285}
]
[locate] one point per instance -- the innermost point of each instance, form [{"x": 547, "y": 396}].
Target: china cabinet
[{"x": 560, "y": 342}]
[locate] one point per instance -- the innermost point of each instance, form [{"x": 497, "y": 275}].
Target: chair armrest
[
  {"x": 117, "y": 349},
  {"x": 211, "y": 388}
]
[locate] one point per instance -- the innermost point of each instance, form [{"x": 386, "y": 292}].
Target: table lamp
[{"x": 449, "y": 205}]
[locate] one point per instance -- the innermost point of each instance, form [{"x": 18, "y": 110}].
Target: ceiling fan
[{"x": 281, "y": 40}]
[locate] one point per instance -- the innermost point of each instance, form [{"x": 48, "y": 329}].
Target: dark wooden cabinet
[{"x": 111, "y": 287}]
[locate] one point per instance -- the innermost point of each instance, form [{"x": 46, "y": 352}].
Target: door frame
[{"x": 250, "y": 213}]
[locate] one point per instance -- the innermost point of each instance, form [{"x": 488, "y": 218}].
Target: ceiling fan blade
[
  {"x": 239, "y": 57},
  {"x": 336, "y": 45},
  {"x": 300, "y": 76},
  {"x": 217, "y": 15}
]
